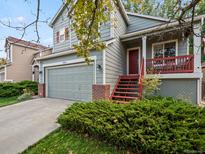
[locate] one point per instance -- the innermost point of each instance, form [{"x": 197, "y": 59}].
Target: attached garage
[{"x": 72, "y": 82}]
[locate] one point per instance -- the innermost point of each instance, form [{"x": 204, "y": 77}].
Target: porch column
[
  {"x": 197, "y": 48},
  {"x": 144, "y": 50},
  {"x": 197, "y": 43}
]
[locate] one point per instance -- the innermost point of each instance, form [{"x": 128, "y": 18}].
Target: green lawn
[
  {"x": 8, "y": 101},
  {"x": 64, "y": 142}
]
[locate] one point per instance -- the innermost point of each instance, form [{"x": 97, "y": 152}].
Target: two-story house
[
  {"x": 140, "y": 46},
  {"x": 20, "y": 56}
]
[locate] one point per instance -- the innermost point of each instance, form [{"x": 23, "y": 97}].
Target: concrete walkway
[{"x": 23, "y": 124}]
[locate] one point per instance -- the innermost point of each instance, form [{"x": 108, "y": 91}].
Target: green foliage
[
  {"x": 24, "y": 96},
  {"x": 160, "y": 125},
  {"x": 2, "y": 61},
  {"x": 27, "y": 94},
  {"x": 15, "y": 89},
  {"x": 150, "y": 86},
  {"x": 86, "y": 17}
]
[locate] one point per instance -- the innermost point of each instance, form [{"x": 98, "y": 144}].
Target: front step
[{"x": 126, "y": 89}]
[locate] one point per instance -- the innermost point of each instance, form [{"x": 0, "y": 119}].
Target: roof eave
[
  {"x": 56, "y": 15},
  {"x": 148, "y": 16},
  {"x": 157, "y": 28}
]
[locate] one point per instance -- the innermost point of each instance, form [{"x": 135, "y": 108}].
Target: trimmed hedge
[
  {"x": 161, "y": 125},
  {"x": 9, "y": 89}
]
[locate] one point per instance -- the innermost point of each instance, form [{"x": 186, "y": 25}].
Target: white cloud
[
  {"x": 20, "y": 19},
  {"x": 13, "y": 20}
]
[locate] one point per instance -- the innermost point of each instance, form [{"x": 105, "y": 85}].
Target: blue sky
[{"x": 19, "y": 12}]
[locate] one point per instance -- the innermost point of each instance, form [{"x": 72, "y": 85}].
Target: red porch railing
[{"x": 177, "y": 64}]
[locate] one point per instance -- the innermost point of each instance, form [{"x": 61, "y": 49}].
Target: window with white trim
[
  {"x": 63, "y": 35},
  {"x": 165, "y": 49}
]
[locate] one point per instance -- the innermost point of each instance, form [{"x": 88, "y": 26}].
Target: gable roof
[
  {"x": 151, "y": 30},
  {"x": 119, "y": 3},
  {"x": 21, "y": 42},
  {"x": 148, "y": 17}
]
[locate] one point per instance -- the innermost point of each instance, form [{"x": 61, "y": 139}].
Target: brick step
[{"x": 125, "y": 97}]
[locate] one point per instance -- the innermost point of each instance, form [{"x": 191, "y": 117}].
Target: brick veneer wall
[
  {"x": 100, "y": 91},
  {"x": 41, "y": 90}
]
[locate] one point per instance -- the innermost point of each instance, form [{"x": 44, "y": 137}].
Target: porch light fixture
[{"x": 99, "y": 67}]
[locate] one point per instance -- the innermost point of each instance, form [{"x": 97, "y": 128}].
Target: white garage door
[{"x": 70, "y": 82}]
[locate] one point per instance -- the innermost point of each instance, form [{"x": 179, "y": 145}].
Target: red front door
[{"x": 133, "y": 61}]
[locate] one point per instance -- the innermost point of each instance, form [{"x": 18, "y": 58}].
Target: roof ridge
[{"x": 25, "y": 43}]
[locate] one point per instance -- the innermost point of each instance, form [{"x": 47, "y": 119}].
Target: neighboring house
[
  {"x": 139, "y": 46},
  {"x": 20, "y": 57}
]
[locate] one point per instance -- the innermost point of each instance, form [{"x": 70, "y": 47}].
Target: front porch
[
  {"x": 163, "y": 53},
  {"x": 166, "y": 54}
]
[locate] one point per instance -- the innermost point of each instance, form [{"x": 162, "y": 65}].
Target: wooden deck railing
[{"x": 177, "y": 64}]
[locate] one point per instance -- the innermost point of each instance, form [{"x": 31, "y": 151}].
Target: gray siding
[
  {"x": 98, "y": 54},
  {"x": 116, "y": 55},
  {"x": 139, "y": 23},
  {"x": 185, "y": 89},
  {"x": 63, "y": 21}
]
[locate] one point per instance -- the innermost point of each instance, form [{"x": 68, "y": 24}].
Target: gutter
[
  {"x": 157, "y": 28},
  {"x": 64, "y": 53},
  {"x": 70, "y": 51}
]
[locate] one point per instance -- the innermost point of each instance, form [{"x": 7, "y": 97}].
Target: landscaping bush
[
  {"x": 9, "y": 89},
  {"x": 24, "y": 97},
  {"x": 160, "y": 125}
]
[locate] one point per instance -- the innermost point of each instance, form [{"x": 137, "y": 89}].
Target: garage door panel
[{"x": 71, "y": 82}]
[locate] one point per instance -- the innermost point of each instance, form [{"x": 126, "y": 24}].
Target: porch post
[
  {"x": 197, "y": 48},
  {"x": 144, "y": 50},
  {"x": 197, "y": 59}
]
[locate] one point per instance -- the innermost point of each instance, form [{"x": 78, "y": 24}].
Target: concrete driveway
[{"x": 25, "y": 123}]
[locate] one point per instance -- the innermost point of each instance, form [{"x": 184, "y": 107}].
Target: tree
[
  {"x": 2, "y": 61},
  {"x": 87, "y": 15}
]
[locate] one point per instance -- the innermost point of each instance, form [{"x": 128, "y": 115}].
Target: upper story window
[
  {"x": 62, "y": 35},
  {"x": 8, "y": 53},
  {"x": 165, "y": 49}
]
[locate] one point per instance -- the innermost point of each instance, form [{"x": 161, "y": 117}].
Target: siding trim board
[
  {"x": 176, "y": 76},
  {"x": 139, "y": 57}
]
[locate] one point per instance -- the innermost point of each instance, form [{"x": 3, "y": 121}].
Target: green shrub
[
  {"x": 160, "y": 125},
  {"x": 24, "y": 97},
  {"x": 14, "y": 89}
]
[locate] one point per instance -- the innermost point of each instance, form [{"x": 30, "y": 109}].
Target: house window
[
  {"x": 66, "y": 33},
  {"x": 57, "y": 37},
  {"x": 62, "y": 35},
  {"x": 165, "y": 49},
  {"x": 8, "y": 51}
]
